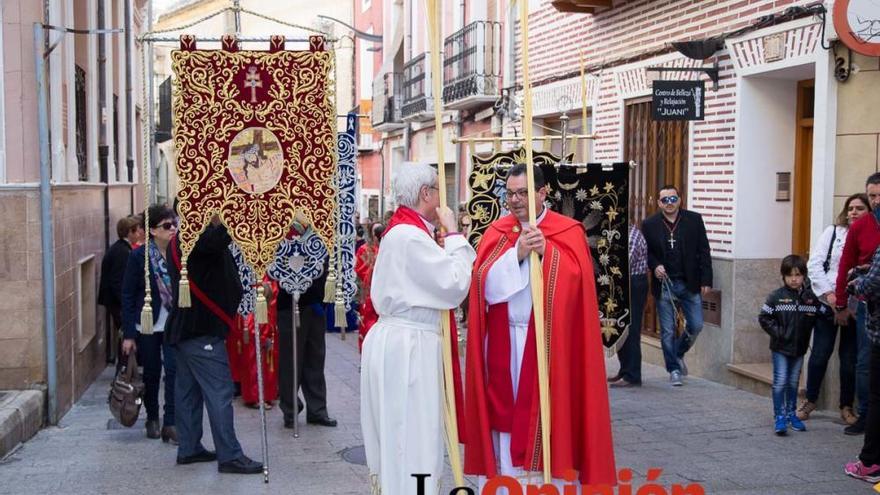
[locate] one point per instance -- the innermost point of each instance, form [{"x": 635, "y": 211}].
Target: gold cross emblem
[{"x": 252, "y": 81}]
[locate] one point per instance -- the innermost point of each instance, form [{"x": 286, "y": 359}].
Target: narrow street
[{"x": 702, "y": 433}]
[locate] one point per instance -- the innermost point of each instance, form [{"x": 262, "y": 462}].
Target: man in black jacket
[
  {"x": 680, "y": 259},
  {"x": 311, "y": 352},
  {"x": 129, "y": 231},
  {"x": 198, "y": 334}
]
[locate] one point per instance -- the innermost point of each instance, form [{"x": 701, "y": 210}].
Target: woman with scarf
[{"x": 152, "y": 350}]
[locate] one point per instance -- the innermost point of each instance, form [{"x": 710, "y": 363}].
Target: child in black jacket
[{"x": 788, "y": 317}]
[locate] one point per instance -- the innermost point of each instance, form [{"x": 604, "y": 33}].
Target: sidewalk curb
[{"x": 21, "y": 417}]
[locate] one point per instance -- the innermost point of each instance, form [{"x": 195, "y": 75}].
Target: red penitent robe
[
  {"x": 580, "y": 421},
  {"x": 363, "y": 267},
  {"x": 269, "y": 340}
]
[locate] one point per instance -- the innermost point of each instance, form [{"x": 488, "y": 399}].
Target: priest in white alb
[{"x": 414, "y": 278}]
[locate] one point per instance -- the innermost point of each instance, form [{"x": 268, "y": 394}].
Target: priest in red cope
[{"x": 501, "y": 395}]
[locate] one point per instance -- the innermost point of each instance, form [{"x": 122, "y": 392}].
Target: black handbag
[{"x": 127, "y": 393}]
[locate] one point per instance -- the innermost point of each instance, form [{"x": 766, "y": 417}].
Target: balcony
[
  {"x": 385, "y": 115},
  {"x": 418, "y": 103},
  {"x": 472, "y": 66}
]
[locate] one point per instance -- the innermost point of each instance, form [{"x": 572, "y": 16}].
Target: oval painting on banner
[{"x": 255, "y": 160}]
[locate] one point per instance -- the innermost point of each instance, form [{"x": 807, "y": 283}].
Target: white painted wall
[{"x": 765, "y": 141}]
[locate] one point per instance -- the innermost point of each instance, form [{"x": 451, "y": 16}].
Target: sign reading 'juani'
[{"x": 679, "y": 100}]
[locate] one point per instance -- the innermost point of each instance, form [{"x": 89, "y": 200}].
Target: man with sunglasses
[{"x": 681, "y": 261}]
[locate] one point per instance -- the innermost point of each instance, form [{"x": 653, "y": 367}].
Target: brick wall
[{"x": 644, "y": 27}]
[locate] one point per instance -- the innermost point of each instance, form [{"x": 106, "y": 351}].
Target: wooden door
[
  {"x": 660, "y": 150},
  {"x": 803, "y": 169}
]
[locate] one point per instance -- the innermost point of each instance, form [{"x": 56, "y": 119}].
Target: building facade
[
  {"x": 402, "y": 100},
  {"x": 94, "y": 155},
  {"x": 782, "y": 143}
]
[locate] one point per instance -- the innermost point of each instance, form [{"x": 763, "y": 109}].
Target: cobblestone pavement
[{"x": 702, "y": 433}]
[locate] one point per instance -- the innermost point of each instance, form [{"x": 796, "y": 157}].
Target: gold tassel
[
  {"x": 184, "y": 299},
  {"x": 339, "y": 316},
  {"x": 330, "y": 286},
  {"x": 262, "y": 307},
  {"x": 147, "y": 315}
]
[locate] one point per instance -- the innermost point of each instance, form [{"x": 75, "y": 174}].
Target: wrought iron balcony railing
[
  {"x": 387, "y": 102},
  {"x": 418, "y": 104},
  {"x": 472, "y": 65}
]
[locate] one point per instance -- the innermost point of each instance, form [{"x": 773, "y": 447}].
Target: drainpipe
[
  {"x": 46, "y": 227},
  {"x": 151, "y": 110},
  {"x": 129, "y": 102}
]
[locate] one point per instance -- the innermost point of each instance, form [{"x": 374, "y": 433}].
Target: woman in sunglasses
[{"x": 151, "y": 348}]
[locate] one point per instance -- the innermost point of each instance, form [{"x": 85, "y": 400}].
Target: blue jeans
[
  {"x": 691, "y": 304},
  {"x": 204, "y": 382},
  {"x": 863, "y": 359},
  {"x": 153, "y": 355},
  {"x": 824, "y": 335},
  {"x": 786, "y": 373}
]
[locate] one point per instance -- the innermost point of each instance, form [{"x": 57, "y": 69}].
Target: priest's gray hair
[{"x": 409, "y": 180}]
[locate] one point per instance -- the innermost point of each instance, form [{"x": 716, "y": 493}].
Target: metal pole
[
  {"x": 564, "y": 120},
  {"x": 46, "y": 227},
  {"x": 293, "y": 329},
  {"x": 151, "y": 110},
  {"x": 236, "y": 13},
  {"x": 260, "y": 397}
]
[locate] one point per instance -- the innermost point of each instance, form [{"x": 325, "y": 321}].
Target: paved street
[{"x": 703, "y": 432}]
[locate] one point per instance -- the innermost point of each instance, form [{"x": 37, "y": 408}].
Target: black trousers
[
  {"x": 630, "y": 353},
  {"x": 154, "y": 354},
  {"x": 311, "y": 351},
  {"x": 871, "y": 449}
]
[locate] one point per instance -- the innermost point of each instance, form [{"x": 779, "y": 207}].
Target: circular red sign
[{"x": 857, "y": 23}]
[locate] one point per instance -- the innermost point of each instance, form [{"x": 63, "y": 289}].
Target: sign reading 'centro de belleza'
[{"x": 679, "y": 100}]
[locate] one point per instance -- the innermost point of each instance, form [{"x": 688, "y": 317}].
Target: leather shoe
[
  {"x": 623, "y": 383},
  {"x": 614, "y": 378},
  {"x": 169, "y": 434},
  {"x": 203, "y": 456},
  {"x": 325, "y": 421},
  {"x": 152, "y": 428},
  {"x": 242, "y": 465}
]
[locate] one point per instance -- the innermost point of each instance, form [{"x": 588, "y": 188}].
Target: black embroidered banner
[
  {"x": 486, "y": 183},
  {"x": 598, "y": 197},
  {"x": 594, "y": 195}
]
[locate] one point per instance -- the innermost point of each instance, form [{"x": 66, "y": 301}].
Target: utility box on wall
[{"x": 712, "y": 307}]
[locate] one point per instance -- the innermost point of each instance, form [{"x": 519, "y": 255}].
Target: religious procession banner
[
  {"x": 594, "y": 195},
  {"x": 346, "y": 283},
  {"x": 487, "y": 185},
  {"x": 598, "y": 197},
  {"x": 248, "y": 282},
  {"x": 255, "y": 137},
  {"x": 299, "y": 262}
]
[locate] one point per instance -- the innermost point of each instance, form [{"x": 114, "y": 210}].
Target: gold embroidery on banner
[{"x": 296, "y": 104}]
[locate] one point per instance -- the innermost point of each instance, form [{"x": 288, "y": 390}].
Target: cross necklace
[{"x": 671, "y": 231}]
